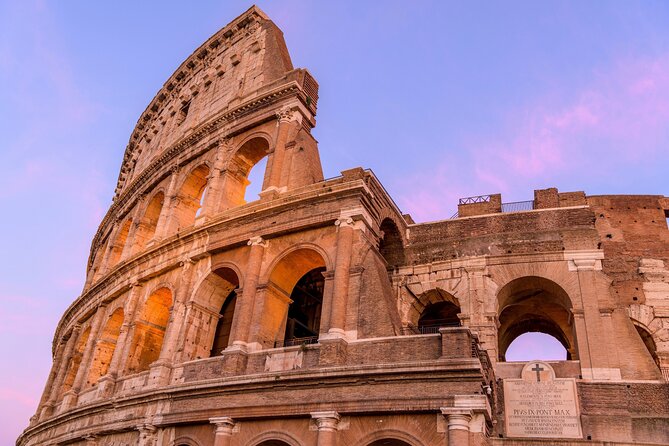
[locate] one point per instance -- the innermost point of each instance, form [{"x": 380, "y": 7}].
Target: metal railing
[
  {"x": 518, "y": 206},
  {"x": 476, "y": 199},
  {"x": 514, "y": 206},
  {"x": 296, "y": 341}
]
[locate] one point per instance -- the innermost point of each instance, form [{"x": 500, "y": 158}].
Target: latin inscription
[{"x": 541, "y": 406}]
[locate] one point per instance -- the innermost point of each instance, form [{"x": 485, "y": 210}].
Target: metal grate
[
  {"x": 296, "y": 341},
  {"x": 518, "y": 206}
]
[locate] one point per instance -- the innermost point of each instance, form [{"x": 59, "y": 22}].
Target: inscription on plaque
[
  {"x": 278, "y": 362},
  {"x": 539, "y": 405}
]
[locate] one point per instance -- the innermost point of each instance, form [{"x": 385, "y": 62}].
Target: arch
[
  {"x": 190, "y": 196},
  {"x": 150, "y": 330},
  {"x": 391, "y": 246},
  {"x": 648, "y": 341},
  {"x": 378, "y": 437},
  {"x": 75, "y": 361},
  {"x": 274, "y": 438},
  {"x": 105, "y": 347},
  {"x": 149, "y": 222},
  {"x": 217, "y": 295},
  {"x": 235, "y": 176},
  {"x": 116, "y": 249},
  {"x": 434, "y": 308},
  {"x": 535, "y": 304},
  {"x": 285, "y": 274},
  {"x": 96, "y": 268}
]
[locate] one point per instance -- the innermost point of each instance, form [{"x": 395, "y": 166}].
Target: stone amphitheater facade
[{"x": 319, "y": 314}]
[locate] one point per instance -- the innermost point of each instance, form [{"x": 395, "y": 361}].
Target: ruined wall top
[{"x": 225, "y": 71}]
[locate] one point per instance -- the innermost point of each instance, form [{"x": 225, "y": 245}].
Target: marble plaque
[
  {"x": 278, "y": 362},
  {"x": 539, "y": 405}
]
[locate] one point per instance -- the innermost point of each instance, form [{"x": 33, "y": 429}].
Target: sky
[{"x": 441, "y": 99}]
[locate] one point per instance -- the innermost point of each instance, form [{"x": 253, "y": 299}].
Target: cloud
[{"x": 618, "y": 118}]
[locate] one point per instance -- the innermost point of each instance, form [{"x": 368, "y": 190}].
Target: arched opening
[
  {"x": 104, "y": 349},
  {"x": 150, "y": 330},
  {"x": 390, "y": 246},
  {"x": 304, "y": 312},
  {"x": 284, "y": 303},
  {"x": 256, "y": 179},
  {"x": 434, "y": 309},
  {"x": 439, "y": 314},
  {"x": 225, "y": 299},
  {"x": 649, "y": 342},
  {"x": 273, "y": 443},
  {"x": 536, "y": 345},
  {"x": 236, "y": 176},
  {"x": 119, "y": 244},
  {"x": 535, "y": 305},
  {"x": 96, "y": 269},
  {"x": 191, "y": 195},
  {"x": 75, "y": 361},
  {"x": 389, "y": 442},
  {"x": 148, "y": 224}
]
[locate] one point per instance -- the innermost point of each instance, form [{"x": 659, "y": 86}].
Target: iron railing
[
  {"x": 296, "y": 341},
  {"x": 514, "y": 206},
  {"x": 425, "y": 329}
]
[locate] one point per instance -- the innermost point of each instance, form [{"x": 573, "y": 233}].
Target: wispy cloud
[{"x": 620, "y": 116}]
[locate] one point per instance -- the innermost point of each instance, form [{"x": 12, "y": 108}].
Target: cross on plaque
[{"x": 538, "y": 370}]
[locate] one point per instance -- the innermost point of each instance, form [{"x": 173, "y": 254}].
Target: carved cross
[{"x": 538, "y": 370}]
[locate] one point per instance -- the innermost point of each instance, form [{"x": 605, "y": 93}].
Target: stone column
[
  {"x": 52, "y": 376},
  {"x": 458, "y": 425},
  {"x": 134, "y": 226},
  {"x": 70, "y": 398},
  {"x": 147, "y": 435},
  {"x": 241, "y": 321},
  {"x": 285, "y": 117},
  {"x": 224, "y": 429},
  {"x": 341, "y": 277},
  {"x": 212, "y": 200},
  {"x": 167, "y": 214},
  {"x": 327, "y": 427},
  {"x": 63, "y": 366}
]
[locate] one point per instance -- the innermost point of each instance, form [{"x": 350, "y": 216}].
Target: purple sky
[{"x": 441, "y": 100}]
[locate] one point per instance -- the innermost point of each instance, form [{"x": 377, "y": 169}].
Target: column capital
[
  {"x": 286, "y": 114},
  {"x": 458, "y": 418},
  {"x": 146, "y": 428},
  {"x": 224, "y": 425},
  {"x": 326, "y": 420},
  {"x": 253, "y": 241}
]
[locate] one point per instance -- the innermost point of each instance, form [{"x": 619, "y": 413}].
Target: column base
[
  {"x": 69, "y": 401},
  {"x": 333, "y": 351},
  {"x": 106, "y": 386},
  {"x": 159, "y": 374}
]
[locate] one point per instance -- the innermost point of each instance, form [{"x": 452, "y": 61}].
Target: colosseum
[{"x": 318, "y": 314}]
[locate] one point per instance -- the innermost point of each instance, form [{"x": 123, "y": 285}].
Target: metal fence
[{"x": 296, "y": 341}]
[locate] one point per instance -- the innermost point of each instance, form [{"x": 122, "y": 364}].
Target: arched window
[
  {"x": 190, "y": 197},
  {"x": 289, "y": 310},
  {"x": 534, "y": 304},
  {"x": 104, "y": 349},
  {"x": 119, "y": 243},
  {"x": 150, "y": 331},
  {"x": 149, "y": 222},
  {"x": 390, "y": 246},
  {"x": 439, "y": 314},
  {"x": 256, "y": 179},
  {"x": 75, "y": 361},
  {"x": 236, "y": 176},
  {"x": 304, "y": 313}
]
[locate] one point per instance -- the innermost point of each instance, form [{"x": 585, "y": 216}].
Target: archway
[
  {"x": 150, "y": 330},
  {"x": 190, "y": 196},
  {"x": 433, "y": 309},
  {"x": 147, "y": 225},
  {"x": 105, "y": 347},
  {"x": 236, "y": 175},
  {"x": 75, "y": 361},
  {"x": 649, "y": 342},
  {"x": 119, "y": 244},
  {"x": 224, "y": 297},
  {"x": 273, "y": 443},
  {"x": 535, "y": 304},
  {"x": 390, "y": 246},
  {"x": 304, "y": 312},
  {"x": 304, "y": 266}
]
